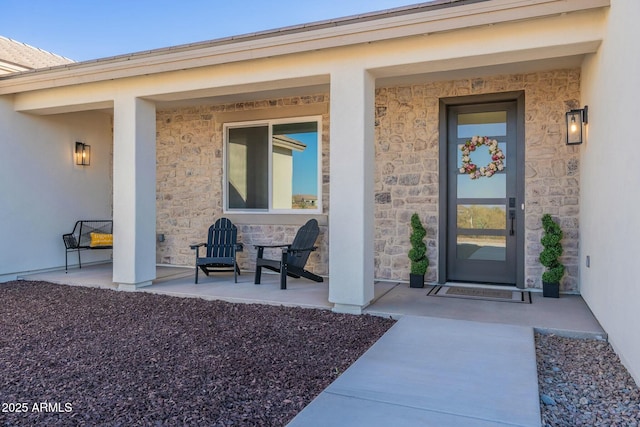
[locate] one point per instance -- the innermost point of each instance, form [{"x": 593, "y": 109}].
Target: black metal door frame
[{"x": 444, "y": 211}]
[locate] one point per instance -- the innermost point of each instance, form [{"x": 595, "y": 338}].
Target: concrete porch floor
[{"x": 567, "y": 315}]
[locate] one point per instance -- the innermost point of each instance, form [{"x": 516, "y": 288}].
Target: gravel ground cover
[
  {"x": 583, "y": 383},
  {"x": 83, "y": 356}
]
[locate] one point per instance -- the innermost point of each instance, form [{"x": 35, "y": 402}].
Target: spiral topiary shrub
[
  {"x": 549, "y": 257},
  {"x": 418, "y": 251}
]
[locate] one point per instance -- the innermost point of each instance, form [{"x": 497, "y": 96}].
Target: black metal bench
[{"x": 88, "y": 235}]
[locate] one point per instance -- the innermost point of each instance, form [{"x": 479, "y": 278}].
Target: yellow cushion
[{"x": 101, "y": 239}]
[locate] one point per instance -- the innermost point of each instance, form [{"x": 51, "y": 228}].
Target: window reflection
[
  {"x": 247, "y": 173},
  {"x": 482, "y": 217},
  {"x": 492, "y": 124},
  {"x": 280, "y": 160},
  {"x": 486, "y": 248},
  {"x": 295, "y": 166},
  {"x": 484, "y": 188}
]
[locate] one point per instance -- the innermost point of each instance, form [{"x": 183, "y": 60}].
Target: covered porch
[
  {"x": 162, "y": 129},
  {"x": 567, "y": 316}
]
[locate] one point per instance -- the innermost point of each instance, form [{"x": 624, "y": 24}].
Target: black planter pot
[
  {"x": 416, "y": 280},
  {"x": 551, "y": 290}
]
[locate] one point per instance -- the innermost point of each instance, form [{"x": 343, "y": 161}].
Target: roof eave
[{"x": 424, "y": 18}]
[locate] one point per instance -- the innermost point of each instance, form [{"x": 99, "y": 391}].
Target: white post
[
  {"x": 134, "y": 193},
  {"x": 351, "y": 219}
]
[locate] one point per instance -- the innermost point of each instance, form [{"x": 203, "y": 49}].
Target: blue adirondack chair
[
  {"x": 294, "y": 256},
  {"x": 222, "y": 247}
]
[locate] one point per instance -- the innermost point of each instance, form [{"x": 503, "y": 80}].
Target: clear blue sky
[
  {"x": 90, "y": 29},
  {"x": 305, "y": 164}
]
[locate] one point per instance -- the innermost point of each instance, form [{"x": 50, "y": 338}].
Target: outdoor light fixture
[
  {"x": 83, "y": 154},
  {"x": 576, "y": 121}
]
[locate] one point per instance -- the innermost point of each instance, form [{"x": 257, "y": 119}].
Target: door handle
[
  {"x": 512, "y": 217},
  {"x": 512, "y": 214}
]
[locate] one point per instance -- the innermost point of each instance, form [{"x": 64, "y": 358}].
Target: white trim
[{"x": 270, "y": 123}]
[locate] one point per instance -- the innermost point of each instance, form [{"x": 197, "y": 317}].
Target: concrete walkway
[{"x": 428, "y": 371}]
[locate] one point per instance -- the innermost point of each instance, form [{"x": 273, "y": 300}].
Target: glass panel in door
[{"x": 480, "y": 228}]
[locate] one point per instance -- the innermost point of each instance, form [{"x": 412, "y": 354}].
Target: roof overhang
[{"x": 421, "y": 19}]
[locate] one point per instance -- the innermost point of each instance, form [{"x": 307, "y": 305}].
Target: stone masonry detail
[
  {"x": 190, "y": 184},
  {"x": 407, "y": 150},
  {"x": 190, "y": 174}
]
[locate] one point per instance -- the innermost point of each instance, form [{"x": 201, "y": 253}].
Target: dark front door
[{"x": 483, "y": 204}]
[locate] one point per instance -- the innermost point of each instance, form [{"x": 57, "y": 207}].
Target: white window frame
[{"x": 270, "y": 123}]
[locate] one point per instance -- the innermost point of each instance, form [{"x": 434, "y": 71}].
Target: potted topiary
[
  {"x": 549, "y": 257},
  {"x": 418, "y": 253}
]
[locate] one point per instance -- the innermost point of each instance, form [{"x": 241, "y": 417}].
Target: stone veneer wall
[
  {"x": 190, "y": 183},
  {"x": 407, "y": 167},
  {"x": 189, "y": 172}
]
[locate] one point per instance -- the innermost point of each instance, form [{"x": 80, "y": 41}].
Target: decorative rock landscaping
[
  {"x": 583, "y": 383},
  {"x": 100, "y": 357}
]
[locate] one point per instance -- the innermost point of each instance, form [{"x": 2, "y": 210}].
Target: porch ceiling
[
  {"x": 243, "y": 93},
  {"x": 385, "y": 77},
  {"x": 392, "y": 76},
  {"x": 414, "y": 75},
  {"x": 397, "y": 76}
]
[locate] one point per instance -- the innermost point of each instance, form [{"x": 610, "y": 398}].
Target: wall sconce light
[
  {"x": 83, "y": 154},
  {"x": 576, "y": 121}
]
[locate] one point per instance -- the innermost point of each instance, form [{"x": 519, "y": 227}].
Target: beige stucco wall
[
  {"x": 407, "y": 166},
  {"x": 190, "y": 180},
  {"x": 190, "y": 176},
  {"x": 43, "y": 192},
  {"x": 610, "y": 198}
]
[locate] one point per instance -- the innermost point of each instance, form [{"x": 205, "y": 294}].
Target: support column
[
  {"x": 351, "y": 220},
  {"x": 134, "y": 193}
]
